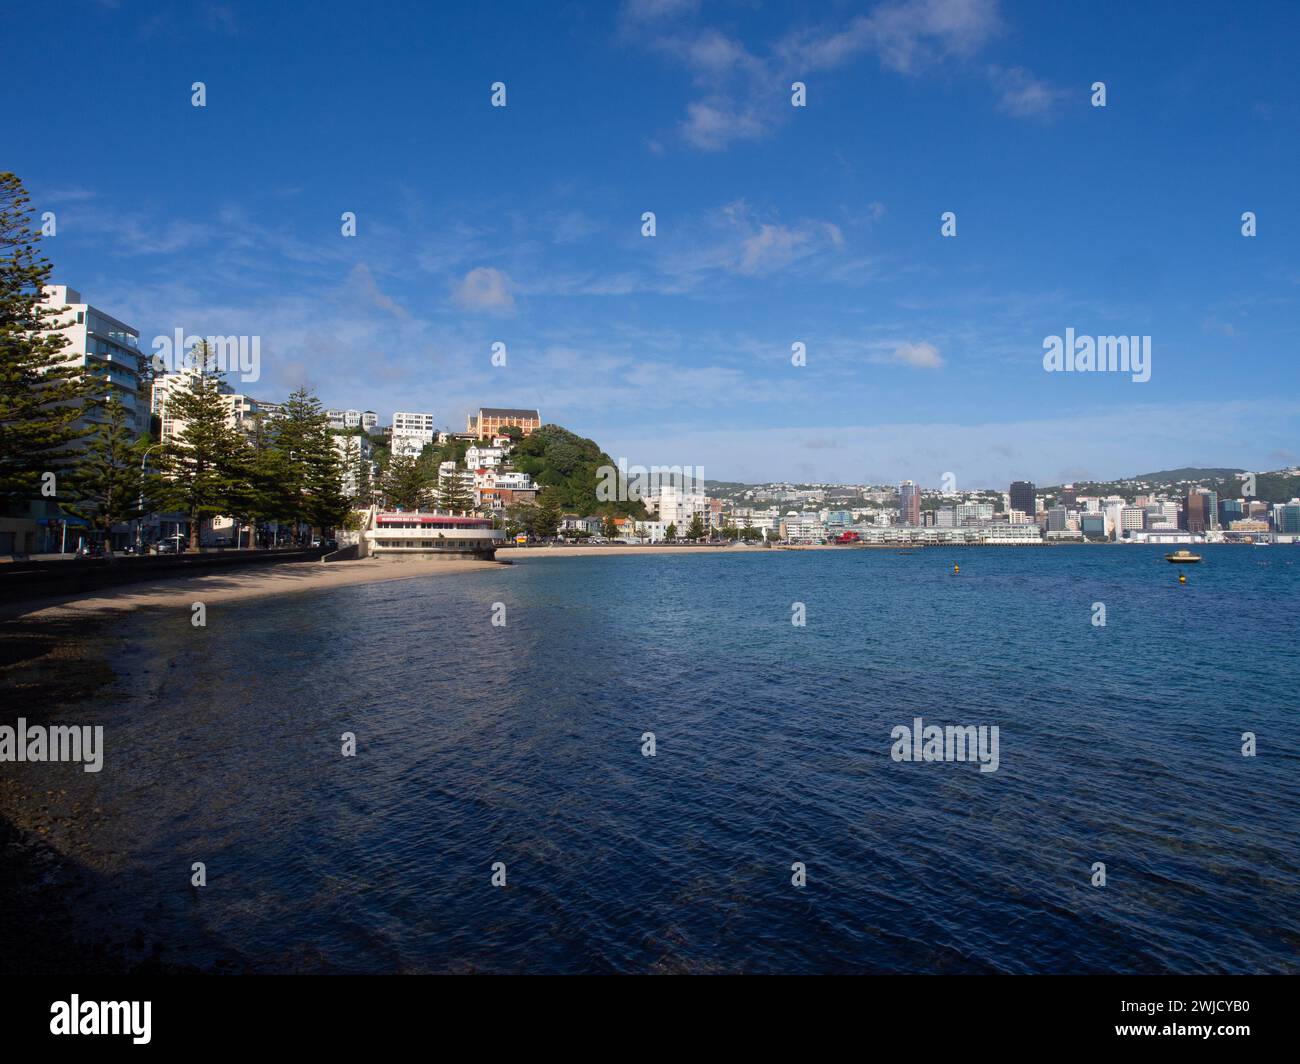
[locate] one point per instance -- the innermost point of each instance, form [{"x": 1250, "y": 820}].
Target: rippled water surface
[{"x": 522, "y": 744}]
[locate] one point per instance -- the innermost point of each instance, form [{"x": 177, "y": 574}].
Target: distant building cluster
[{"x": 1021, "y": 515}]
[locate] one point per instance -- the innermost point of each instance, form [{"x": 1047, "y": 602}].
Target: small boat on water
[{"x": 1182, "y": 556}]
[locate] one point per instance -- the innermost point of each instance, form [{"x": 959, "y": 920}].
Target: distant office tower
[
  {"x": 1196, "y": 510},
  {"x": 1286, "y": 517},
  {"x": 1068, "y": 495},
  {"x": 1058, "y": 519},
  {"x": 1022, "y": 498},
  {"x": 1131, "y": 519},
  {"x": 1229, "y": 511},
  {"x": 909, "y": 503}
]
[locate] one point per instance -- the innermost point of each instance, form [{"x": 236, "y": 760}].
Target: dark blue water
[{"x": 521, "y": 744}]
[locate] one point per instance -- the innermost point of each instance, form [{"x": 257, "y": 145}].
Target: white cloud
[
  {"x": 712, "y": 127},
  {"x": 919, "y": 356},
  {"x": 774, "y": 246},
  {"x": 906, "y": 37},
  {"x": 1022, "y": 95},
  {"x": 485, "y": 289}
]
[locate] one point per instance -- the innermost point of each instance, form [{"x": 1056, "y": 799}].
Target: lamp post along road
[{"x": 139, "y": 520}]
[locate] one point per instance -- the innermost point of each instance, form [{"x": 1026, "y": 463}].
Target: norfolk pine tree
[{"x": 42, "y": 395}]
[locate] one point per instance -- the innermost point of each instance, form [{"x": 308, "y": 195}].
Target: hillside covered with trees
[{"x": 564, "y": 466}]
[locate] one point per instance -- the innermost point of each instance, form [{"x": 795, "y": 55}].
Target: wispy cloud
[
  {"x": 741, "y": 91},
  {"x": 1022, "y": 95},
  {"x": 485, "y": 290}
]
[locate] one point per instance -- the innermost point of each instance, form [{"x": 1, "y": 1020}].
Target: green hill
[
  {"x": 1269, "y": 487},
  {"x": 565, "y": 466}
]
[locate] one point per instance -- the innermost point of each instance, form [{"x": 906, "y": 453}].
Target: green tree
[
  {"x": 695, "y": 530},
  {"x": 608, "y": 527},
  {"x": 360, "y": 475},
  {"x": 256, "y": 496},
  {"x": 109, "y": 483},
  {"x": 670, "y": 533},
  {"x": 42, "y": 394},
  {"x": 202, "y": 465},
  {"x": 405, "y": 482},
  {"x": 547, "y": 518},
  {"x": 311, "y": 475},
  {"x": 453, "y": 494},
  {"x": 521, "y": 517}
]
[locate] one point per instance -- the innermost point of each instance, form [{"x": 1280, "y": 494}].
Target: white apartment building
[
  {"x": 492, "y": 480},
  {"x": 647, "y": 532},
  {"x": 484, "y": 457},
  {"x": 673, "y": 506},
  {"x": 407, "y": 446},
  {"x": 105, "y": 348},
  {"x": 408, "y": 424},
  {"x": 411, "y": 434},
  {"x": 352, "y": 419},
  {"x": 802, "y": 528},
  {"x": 974, "y": 511},
  {"x": 242, "y": 410}
]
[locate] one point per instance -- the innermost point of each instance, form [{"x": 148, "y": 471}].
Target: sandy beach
[
  {"x": 229, "y": 586},
  {"x": 293, "y": 577}
]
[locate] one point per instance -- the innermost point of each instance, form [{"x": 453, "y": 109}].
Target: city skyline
[{"x": 522, "y": 225}]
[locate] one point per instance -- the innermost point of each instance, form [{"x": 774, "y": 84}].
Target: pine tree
[
  {"x": 452, "y": 494},
  {"x": 547, "y": 518},
  {"x": 109, "y": 483},
  {"x": 42, "y": 395},
  {"x": 405, "y": 482},
  {"x": 311, "y": 475},
  {"x": 256, "y": 495},
  {"x": 695, "y": 530},
  {"x": 202, "y": 465},
  {"x": 360, "y": 474}
]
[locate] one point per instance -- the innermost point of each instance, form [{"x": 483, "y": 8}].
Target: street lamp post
[{"x": 139, "y": 519}]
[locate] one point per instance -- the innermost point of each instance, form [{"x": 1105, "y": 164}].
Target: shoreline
[
  {"x": 232, "y": 586},
  {"x": 180, "y": 591}
]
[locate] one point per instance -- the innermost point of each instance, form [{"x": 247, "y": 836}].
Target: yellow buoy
[
  {"x": 956, "y": 568},
  {"x": 1182, "y": 578}
]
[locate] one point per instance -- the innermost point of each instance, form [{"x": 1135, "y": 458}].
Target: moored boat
[{"x": 1182, "y": 556}]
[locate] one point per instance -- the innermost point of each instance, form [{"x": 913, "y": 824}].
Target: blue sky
[{"x": 775, "y": 224}]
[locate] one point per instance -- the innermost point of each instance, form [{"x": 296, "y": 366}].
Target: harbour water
[{"x": 522, "y": 743}]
